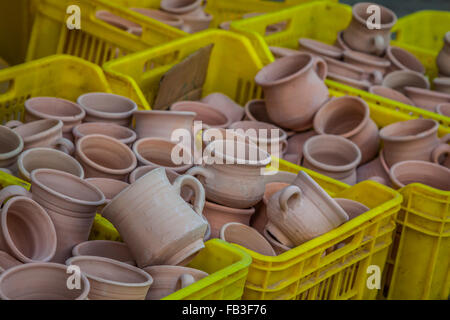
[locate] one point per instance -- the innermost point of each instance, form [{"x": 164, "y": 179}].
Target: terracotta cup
[
  {"x": 124, "y": 135},
  {"x": 349, "y": 117},
  {"x": 443, "y": 59},
  {"x": 413, "y": 140},
  {"x": 255, "y": 110},
  {"x": 107, "y": 107},
  {"x": 391, "y": 94},
  {"x": 338, "y": 68},
  {"x": 41, "y": 281},
  {"x": 224, "y": 104},
  {"x": 442, "y": 84},
  {"x": 319, "y": 48},
  {"x": 183, "y": 7},
  {"x": 164, "y": 17},
  {"x": 443, "y": 109},
  {"x": 425, "y": 98},
  {"x": 11, "y": 145},
  {"x": 38, "y": 158},
  {"x": 158, "y": 226},
  {"x": 403, "y": 60},
  {"x": 105, "y": 157},
  {"x": 360, "y": 37},
  {"x": 294, "y": 152},
  {"x": 104, "y": 248},
  {"x": 109, "y": 187},
  {"x": 398, "y": 80},
  {"x": 169, "y": 279},
  {"x": 294, "y": 90},
  {"x": 26, "y": 231},
  {"x": 163, "y": 153},
  {"x": 192, "y": 24},
  {"x": 302, "y": 211},
  {"x": 210, "y": 117},
  {"x": 351, "y": 207},
  {"x": 45, "y": 133},
  {"x": 7, "y": 262},
  {"x": 276, "y": 245},
  {"x": 333, "y": 156},
  {"x": 225, "y": 165},
  {"x": 375, "y": 170},
  {"x": 70, "y": 113},
  {"x": 367, "y": 62},
  {"x": 430, "y": 174},
  {"x": 340, "y": 43},
  {"x": 111, "y": 279},
  {"x": 246, "y": 237}
]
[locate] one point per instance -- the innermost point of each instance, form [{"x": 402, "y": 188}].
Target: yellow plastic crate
[{"x": 322, "y": 21}]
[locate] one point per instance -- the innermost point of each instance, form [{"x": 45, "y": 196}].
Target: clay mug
[
  {"x": 425, "y": 98},
  {"x": 294, "y": 90},
  {"x": 192, "y": 24},
  {"x": 442, "y": 84},
  {"x": 338, "y": 68},
  {"x": 70, "y": 113},
  {"x": 107, "y": 107},
  {"x": 402, "y": 59},
  {"x": 294, "y": 152},
  {"x": 351, "y": 207},
  {"x": 443, "y": 59},
  {"x": 169, "y": 279},
  {"x": 26, "y": 231},
  {"x": 399, "y": 80},
  {"x": 104, "y": 248},
  {"x": 45, "y": 133},
  {"x": 349, "y": 117},
  {"x": 413, "y": 140},
  {"x": 183, "y": 7},
  {"x": 158, "y": 226},
  {"x": 375, "y": 170},
  {"x": 302, "y": 211},
  {"x": 319, "y": 48},
  {"x": 38, "y": 158},
  {"x": 367, "y": 62},
  {"x": 276, "y": 245},
  {"x": 7, "y": 262},
  {"x": 359, "y": 37},
  {"x": 111, "y": 279},
  {"x": 11, "y": 145},
  {"x": 255, "y": 110},
  {"x": 209, "y": 116},
  {"x": 224, "y": 167},
  {"x": 105, "y": 157},
  {"x": 109, "y": 187},
  {"x": 391, "y": 94},
  {"x": 123, "y": 134},
  {"x": 41, "y": 281},
  {"x": 443, "y": 109},
  {"x": 223, "y": 103},
  {"x": 333, "y": 156}
]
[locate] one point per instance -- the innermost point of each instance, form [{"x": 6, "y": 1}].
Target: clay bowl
[
  {"x": 391, "y": 94},
  {"x": 255, "y": 110},
  {"x": 104, "y": 248},
  {"x": 277, "y": 245},
  {"x": 279, "y": 52},
  {"x": 7, "y": 262},
  {"x": 367, "y": 62},
  {"x": 123, "y": 134},
  {"x": 403, "y": 60},
  {"x": 224, "y": 104},
  {"x": 352, "y": 208},
  {"x": 11, "y": 145},
  {"x": 399, "y": 80},
  {"x": 358, "y": 84},
  {"x": 426, "y": 99},
  {"x": 209, "y": 116},
  {"x": 320, "y": 48},
  {"x": 443, "y": 109}
]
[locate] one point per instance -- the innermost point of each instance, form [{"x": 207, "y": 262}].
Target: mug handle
[
  {"x": 320, "y": 67},
  {"x": 13, "y": 124},
  {"x": 13, "y": 191},
  {"x": 65, "y": 145},
  {"x": 200, "y": 171},
  {"x": 379, "y": 45},
  {"x": 439, "y": 151},
  {"x": 199, "y": 197},
  {"x": 287, "y": 194}
]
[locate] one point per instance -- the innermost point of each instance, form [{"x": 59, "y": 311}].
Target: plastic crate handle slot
[{"x": 6, "y": 86}]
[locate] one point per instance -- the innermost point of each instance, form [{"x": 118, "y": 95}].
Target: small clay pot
[
  {"x": 351, "y": 207},
  {"x": 224, "y": 104},
  {"x": 104, "y": 248},
  {"x": 319, "y": 48},
  {"x": 294, "y": 90},
  {"x": 398, "y": 80},
  {"x": 111, "y": 279},
  {"x": 119, "y": 22},
  {"x": 7, "y": 262},
  {"x": 124, "y": 135},
  {"x": 246, "y": 237},
  {"x": 391, "y": 94},
  {"x": 210, "y": 117},
  {"x": 442, "y": 84},
  {"x": 375, "y": 170},
  {"x": 340, "y": 43},
  {"x": 279, "y": 52},
  {"x": 443, "y": 109},
  {"x": 169, "y": 279},
  {"x": 161, "y": 16},
  {"x": 107, "y": 107},
  {"x": 70, "y": 113},
  {"x": 426, "y": 99},
  {"x": 343, "y": 70},
  {"x": 294, "y": 152},
  {"x": 359, "y": 37},
  {"x": 255, "y": 110},
  {"x": 183, "y": 7},
  {"x": 276, "y": 245},
  {"x": 430, "y": 174},
  {"x": 37, "y": 158},
  {"x": 109, "y": 187},
  {"x": 403, "y": 60},
  {"x": 333, "y": 156},
  {"x": 41, "y": 281},
  {"x": 192, "y": 24},
  {"x": 105, "y": 157},
  {"x": 159, "y": 152},
  {"x": 218, "y": 215},
  {"x": 367, "y": 62},
  {"x": 11, "y": 145},
  {"x": 358, "y": 84},
  {"x": 443, "y": 59},
  {"x": 279, "y": 176}
]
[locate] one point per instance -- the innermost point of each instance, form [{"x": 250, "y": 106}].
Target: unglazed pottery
[
  {"x": 443, "y": 109},
  {"x": 223, "y": 103},
  {"x": 398, "y": 80},
  {"x": 109, "y": 187},
  {"x": 340, "y": 43},
  {"x": 26, "y": 231},
  {"x": 279, "y": 52},
  {"x": 303, "y": 211},
  {"x": 443, "y": 59},
  {"x": 391, "y": 94},
  {"x": 11, "y": 145},
  {"x": 271, "y": 176},
  {"x": 430, "y": 174},
  {"x": 351, "y": 207},
  {"x": 183, "y": 7},
  {"x": 403, "y": 60},
  {"x": 255, "y": 110},
  {"x": 375, "y": 170},
  {"x": 320, "y": 48},
  {"x": 119, "y": 22},
  {"x": 349, "y": 117},
  {"x": 192, "y": 24},
  {"x": 7, "y": 262},
  {"x": 411, "y": 140},
  {"x": 218, "y": 215},
  {"x": 333, "y": 156},
  {"x": 41, "y": 281},
  {"x": 124, "y": 135},
  {"x": 342, "y": 69},
  {"x": 276, "y": 245},
  {"x": 45, "y": 133},
  {"x": 359, "y": 37},
  {"x": 107, "y": 107},
  {"x": 232, "y": 175},
  {"x": 210, "y": 117},
  {"x": 358, "y": 84},
  {"x": 70, "y": 113},
  {"x": 442, "y": 84},
  {"x": 104, "y": 248},
  {"x": 105, "y": 157},
  {"x": 367, "y": 62},
  {"x": 164, "y": 17},
  {"x": 294, "y": 90},
  {"x": 111, "y": 279},
  {"x": 426, "y": 99},
  {"x": 294, "y": 152},
  {"x": 46, "y": 158},
  {"x": 169, "y": 279},
  {"x": 246, "y": 237},
  {"x": 158, "y": 226}
]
